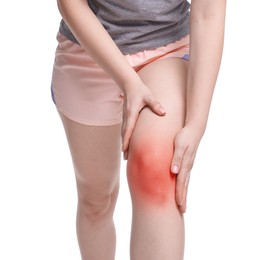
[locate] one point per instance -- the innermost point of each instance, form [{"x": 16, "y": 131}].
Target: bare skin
[
  {"x": 157, "y": 228},
  {"x": 96, "y": 157}
]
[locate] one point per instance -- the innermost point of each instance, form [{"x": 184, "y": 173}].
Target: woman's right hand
[
  {"x": 96, "y": 41},
  {"x": 135, "y": 100}
]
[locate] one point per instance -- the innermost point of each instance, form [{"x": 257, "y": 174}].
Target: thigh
[
  {"x": 152, "y": 143},
  {"x": 167, "y": 80},
  {"x": 95, "y": 152}
]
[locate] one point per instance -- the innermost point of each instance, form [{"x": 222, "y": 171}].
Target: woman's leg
[
  {"x": 157, "y": 226},
  {"x": 95, "y": 151}
]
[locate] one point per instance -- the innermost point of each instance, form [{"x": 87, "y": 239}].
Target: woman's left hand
[{"x": 185, "y": 147}]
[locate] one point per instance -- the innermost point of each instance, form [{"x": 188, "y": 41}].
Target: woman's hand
[
  {"x": 136, "y": 99},
  {"x": 186, "y": 144}
]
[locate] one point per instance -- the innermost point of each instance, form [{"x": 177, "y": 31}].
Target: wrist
[{"x": 130, "y": 81}]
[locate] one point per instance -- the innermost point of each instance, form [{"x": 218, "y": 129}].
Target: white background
[{"x": 229, "y": 206}]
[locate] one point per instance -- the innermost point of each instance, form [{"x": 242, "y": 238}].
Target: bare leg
[
  {"x": 96, "y": 157},
  {"x": 157, "y": 226}
]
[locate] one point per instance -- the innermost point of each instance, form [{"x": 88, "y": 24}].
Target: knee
[
  {"x": 149, "y": 176},
  {"x": 96, "y": 205}
]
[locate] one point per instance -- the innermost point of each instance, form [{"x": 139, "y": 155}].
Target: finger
[
  {"x": 179, "y": 191},
  {"x": 185, "y": 177},
  {"x": 122, "y": 135},
  {"x": 177, "y": 158},
  {"x": 125, "y": 156},
  {"x": 124, "y": 125},
  {"x": 128, "y": 129},
  {"x": 185, "y": 193},
  {"x": 181, "y": 180},
  {"x": 155, "y": 106}
]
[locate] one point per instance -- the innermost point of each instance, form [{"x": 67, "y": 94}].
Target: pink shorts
[{"x": 83, "y": 92}]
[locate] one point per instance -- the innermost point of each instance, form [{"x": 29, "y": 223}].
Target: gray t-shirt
[{"x": 139, "y": 25}]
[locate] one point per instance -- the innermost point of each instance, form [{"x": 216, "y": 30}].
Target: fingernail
[
  {"x": 161, "y": 109},
  {"x": 175, "y": 169}
]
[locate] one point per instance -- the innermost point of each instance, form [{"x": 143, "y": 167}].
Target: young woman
[{"x": 122, "y": 74}]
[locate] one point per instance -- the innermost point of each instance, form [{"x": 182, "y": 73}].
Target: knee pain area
[{"x": 150, "y": 179}]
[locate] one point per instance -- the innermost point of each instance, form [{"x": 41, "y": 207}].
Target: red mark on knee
[{"x": 149, "y": 175}]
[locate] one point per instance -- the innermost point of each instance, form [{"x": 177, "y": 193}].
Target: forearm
[
  {"x": 206, "y": 36},
  {"x": 96, "y": 41}
]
